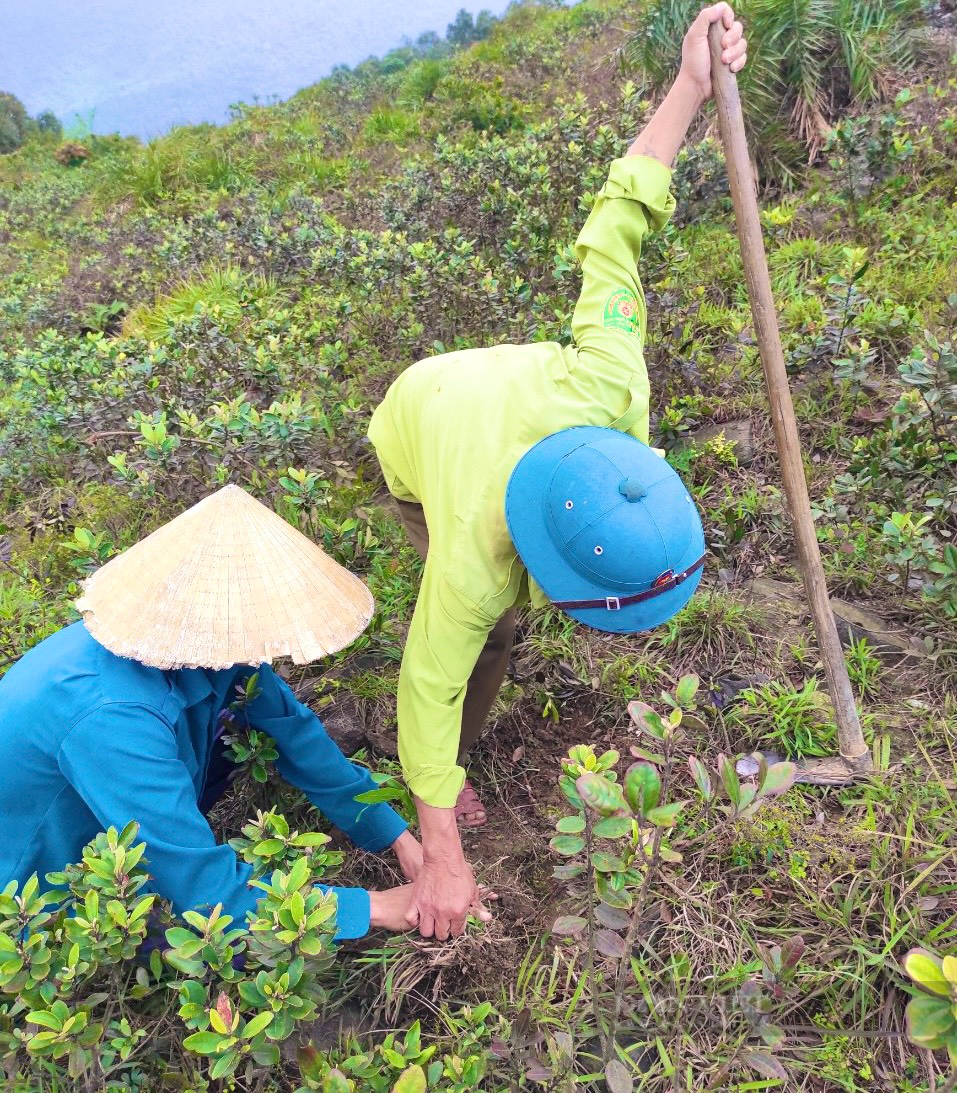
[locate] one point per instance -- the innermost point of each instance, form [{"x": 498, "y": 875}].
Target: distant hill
[{"x": 144, "y": 68}]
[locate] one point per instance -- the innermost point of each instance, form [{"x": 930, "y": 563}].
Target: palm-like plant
[{"x": 808, "y": 59}]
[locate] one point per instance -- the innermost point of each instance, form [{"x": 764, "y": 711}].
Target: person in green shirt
[{"x": 523, "y": 473}]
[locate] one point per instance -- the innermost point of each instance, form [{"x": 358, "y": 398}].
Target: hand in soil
[
  {"x": 389, "y": 910},
  {"x": 445, "y": 893},
  {"x": 478, "y": 911},
  {"x": 469, "y": 810}
]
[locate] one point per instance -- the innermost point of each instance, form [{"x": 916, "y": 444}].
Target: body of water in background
[{"x": 143, "y": 66}]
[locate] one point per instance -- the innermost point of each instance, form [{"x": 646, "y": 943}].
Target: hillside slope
[{"x": 229, "y": 304}]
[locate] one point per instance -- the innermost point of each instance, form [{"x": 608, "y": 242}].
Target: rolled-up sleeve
[
  {"x": 311, "y": 760},
  {"x": 609, "y": 320}
]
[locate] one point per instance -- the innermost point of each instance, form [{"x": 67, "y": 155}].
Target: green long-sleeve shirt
[{"x": 451, "y": 429}]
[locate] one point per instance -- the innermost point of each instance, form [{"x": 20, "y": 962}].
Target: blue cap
[{"x": 606, "y": 528}]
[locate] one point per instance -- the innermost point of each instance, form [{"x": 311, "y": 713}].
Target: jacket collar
[{"x": 192, "y": 685}]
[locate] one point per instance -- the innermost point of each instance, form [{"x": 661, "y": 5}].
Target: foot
[{"x": 469, "y": 810}]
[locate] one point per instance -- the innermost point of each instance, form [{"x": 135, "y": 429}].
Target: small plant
[
  {"x": 864, "y": 150},
  {"x": 105, "y": 318},
  {"x": 92, "y": 549},
  {"x": 304, "y": 489},
  {"x": 230, "y": 1039},
  {"x": 930, "y": 371},
  {"x": 854, "y": 369},
  {"x": 760, "y": 996},
  {"x": 254, "y": 751},
  {"x": 390, "y": 787},
  {"x": 268, "y": 843},
  {"x": 404, "y": 1064},
  {"x": 744, "y": 799},
  {"x": 908, "y": 546},
  {"x": 681, "y": 415},
  {"x": 157, "y": 443},
  {"x": 618, "y": 840},
  {"x": 932, "y": 1013},
  {"x": 943, "y": 590}
]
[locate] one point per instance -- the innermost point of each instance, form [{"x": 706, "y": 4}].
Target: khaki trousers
[{"x": 490, "y": 668}]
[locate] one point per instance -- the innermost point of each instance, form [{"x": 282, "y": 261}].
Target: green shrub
[
  {"x": 482, "y": 104},
  {"x": 186, "y": 163},
  {"x": 807, "y": 60},
  {"x": 59, "y": 949},
  {"x": 15, "y": 123},
  {"x": 386, "y": 123}
]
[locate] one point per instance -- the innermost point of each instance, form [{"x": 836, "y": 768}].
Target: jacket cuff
[
  {"x": 377, "y": 827},
  {"x": 352, "y": 912},
  {"x": 644, "y": 179},
  {"x": 438, "y": 786}
]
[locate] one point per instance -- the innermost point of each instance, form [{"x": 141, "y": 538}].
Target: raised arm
[
  {"x": 609, "y": 321},
  {"x": 663, "y": 136}
]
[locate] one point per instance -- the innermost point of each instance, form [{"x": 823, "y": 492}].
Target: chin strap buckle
[{"x": 668, "y": 580}]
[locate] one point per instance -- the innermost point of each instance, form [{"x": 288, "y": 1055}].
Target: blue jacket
[{"x": 89, "y": 740}]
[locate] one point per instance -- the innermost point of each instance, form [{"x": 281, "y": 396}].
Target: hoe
[{"x": 855, "y": 757}]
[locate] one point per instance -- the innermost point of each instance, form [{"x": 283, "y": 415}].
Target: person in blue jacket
[{"x": 91, "y": 739}]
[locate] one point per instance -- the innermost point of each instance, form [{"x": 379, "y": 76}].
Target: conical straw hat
[{"x": 227, "y": 582}]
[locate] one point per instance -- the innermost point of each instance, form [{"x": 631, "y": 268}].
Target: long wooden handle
[{"x": 731, "y": 122}]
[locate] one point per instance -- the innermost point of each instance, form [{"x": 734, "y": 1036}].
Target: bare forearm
[
  {"x": 445, "y": 888},
  {"x": 439, "y": 832},
  {"x": 409, "y": 853},
  {"x": 663, "y": 136}
]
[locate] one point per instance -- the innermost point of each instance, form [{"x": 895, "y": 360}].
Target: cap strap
[{"x": 616, "y": 603}]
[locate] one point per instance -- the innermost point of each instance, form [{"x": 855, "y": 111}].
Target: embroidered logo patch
[{"x": 621, "y": 311}]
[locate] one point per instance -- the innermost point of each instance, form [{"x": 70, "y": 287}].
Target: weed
[
  {"x": 390, "y": 124},
  {"x": 863, "y": 666},
  {"x": 223, "y": 292},
  {"x": 797, "y": 719}
]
